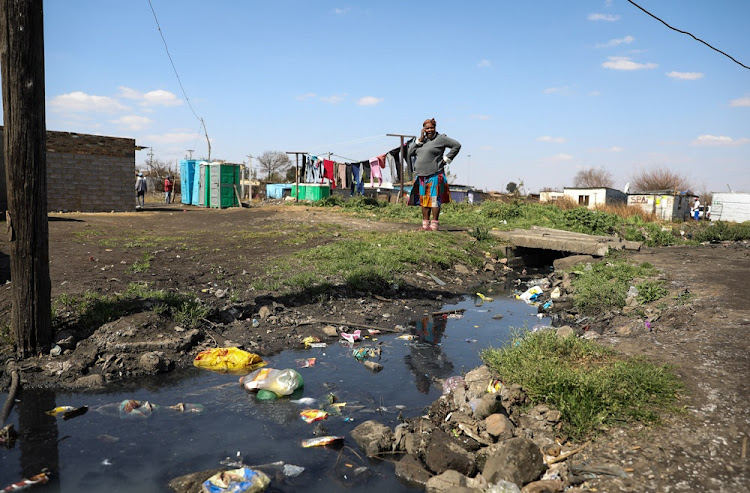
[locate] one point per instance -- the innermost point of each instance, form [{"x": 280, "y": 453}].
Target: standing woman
[{"x": 430, "y": 189}]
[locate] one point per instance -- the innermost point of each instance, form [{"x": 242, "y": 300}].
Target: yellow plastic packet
[{"x": 230, "y": 359}]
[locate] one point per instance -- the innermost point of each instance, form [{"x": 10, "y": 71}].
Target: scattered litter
[
  {"x": 406, "y": 337},
  {"x": 485, "y": 298},
  {"x": 59, "y": 410},
  {"x": 470, "y": 341},
  {"x": 363, "y": 353},
  {"x": 41, "y": 478},
  {"x": 318, "y": 345},
  {"x": 373, "y": 332},
  {"x": 438, "y": 281},
  {"x": 79, "y": 411},
  {"x": 243, "y": 480},
  {"x": 305, "y": 401},
  {"x": 187, "y": 408},
  {"x": 648, "y": 325},
  {"x": 452, "y": 383},
  {"x": 305, "y": 363},
  {"x": 495, "y": 386},
  {"x": 292, "y": 471},
  {"x": 350, "y": 338},
  {"x": 456, "y": 315},
  {"x": 279, "y": 382},
  {"x": 131, "y": 408},
  {"x": 229, "y": 359},
  {"x": 555, "y": 294},
  {"x": 312, "y": 415},
  {"x": 256, "y": 322},
  {"x": 106, "y": 462},
  {"x": 531, "y": 294},
  {"x": 321, "y": 441},
  {"x": 373, "y": 366},
  {"x": 310, "y": 340}
]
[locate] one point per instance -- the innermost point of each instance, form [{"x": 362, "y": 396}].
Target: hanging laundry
[
  {"x": 343, "y": 176},
  {"x": 357, "y": 184},
  {"x": 375, "y": 171},
  {"x": 328, "y": 172}
]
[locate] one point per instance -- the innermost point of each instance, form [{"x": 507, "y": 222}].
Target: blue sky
[{"x": 534, "y": 90}]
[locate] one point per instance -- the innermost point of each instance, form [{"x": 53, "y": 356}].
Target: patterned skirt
[{"x": 430, "y": 191}]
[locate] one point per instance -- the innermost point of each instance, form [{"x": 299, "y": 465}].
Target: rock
[
  {"x": 373, "y": 437},
  {"x": 220, "y": 293},
  {"x": 477, "y": 381},
  {"x": 153, "y": 362},
  {"x": 448, "y": 482},
  {"x": 330, "y": 331},
  {"x": 497, "y": 316},
  {"x": 264, "y": 312},
  {"x": 412, "y": 471},
  {"x": 499, "y": 426},
  {"x": 518, "y": 460},
  {"x": 373, "y": 366},
  {"x": 461, "y": 269},
  {"x": 566, "y": 263},
  {"x": 89, "y": 382},
  {"x": 488, "y": 404},
  {"x": 590, "y": 335},
  {"x": 66, "y": 339},
  {"x": 444, "y": 454},
  {"x": 513, "y": 396},
  {"x": 553, "y": 416},
  {"x": 193, "y": 482},
  {"x": 543, "y": 486},
  {"x": 489, "y": 267},
  {"x": 566, "y": 331}
]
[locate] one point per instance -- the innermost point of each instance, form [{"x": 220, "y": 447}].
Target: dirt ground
[{"x": 215, "y": 255}]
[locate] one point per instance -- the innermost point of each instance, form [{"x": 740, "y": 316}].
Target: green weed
[
  {"x": 649, "y": 291},
  {"x": 142, "y": 265},
  {"x": 589, "y": 384},
  {"x": 603, "y": 286},
  {"x": 190, "y": 314}
]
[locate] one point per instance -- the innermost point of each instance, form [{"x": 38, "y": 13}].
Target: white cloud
[
  {"x": 158, "y": 97},
  {"x": 78, "y": 101},
  {"x": 718, "y": 141},
  {"x": 480, "y": 117},
  {"x": 603, "y": 17},
  {"x": 617, "y": 42},
  {"x": 133, "y": 122},
  {"x": 562, "y": 157},
  {"x": 306, "y": 96},
  {"x": 625, "y": 63},
  {"x": 341, "y": 11},
  {"x": 369, "y": 101},
  {"x": 615, "y": 149},
  {"x": 171, "y": 138},
  {"x": 555, "y": 140},
  {"x": 484, "y": 63},
  {"x": 685, "y": 75},
  {"x": 335, "y": 99},
  {"x": 739, "y": 102},
  {"x": 556, "y": 90}
]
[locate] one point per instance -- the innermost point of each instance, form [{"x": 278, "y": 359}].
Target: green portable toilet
[{"x": 223, "y": 183}]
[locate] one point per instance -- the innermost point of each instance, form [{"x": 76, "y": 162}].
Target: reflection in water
[
  {"x": 426, "y": 359},
  {"x": 38, "y": 435}
]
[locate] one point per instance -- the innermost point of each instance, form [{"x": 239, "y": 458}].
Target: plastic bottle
[{"x": 280, "y": 382}]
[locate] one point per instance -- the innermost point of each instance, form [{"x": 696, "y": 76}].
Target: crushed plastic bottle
[{"x": 280, "y": 382}]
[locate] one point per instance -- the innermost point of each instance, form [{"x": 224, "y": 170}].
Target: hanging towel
[{"x": 328, "y": 172}]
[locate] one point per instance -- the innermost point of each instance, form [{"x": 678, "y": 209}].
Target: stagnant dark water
[{"x": 101, "y": 452}]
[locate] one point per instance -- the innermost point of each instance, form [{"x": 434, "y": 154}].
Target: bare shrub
[
  {"x": 593, "y": 178},
  {"x": 566, "y": 203},
  {"x": 655, "y": 179},
  {"x": 626, "y": 211}
]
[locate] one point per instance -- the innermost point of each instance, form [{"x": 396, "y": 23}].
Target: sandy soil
[{"x": 705, "y": 335}]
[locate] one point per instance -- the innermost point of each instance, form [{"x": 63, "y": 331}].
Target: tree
[
  {"x": 511, "y": 187},
  {"x": 274, "y": 162},
  {"x": 658, "y": 178},
  {"x": 593, "y": 178},
  {"x": 25, "y": 137},
  {"x": 291, "y": 174}
]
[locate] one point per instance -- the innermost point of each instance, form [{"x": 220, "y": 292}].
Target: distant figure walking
[
  {"x": 430, "y": 189},
  {"x": 697, "y": 209},
  {"x": 168, "y": 186},
  {"x": 141, "y": 187}
]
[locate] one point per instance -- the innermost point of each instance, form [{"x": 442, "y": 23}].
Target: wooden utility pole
[
  {"x": 25, "y": 138},
  {"x": 401, "y": 161},
  {"x": 296, "y": 169}
]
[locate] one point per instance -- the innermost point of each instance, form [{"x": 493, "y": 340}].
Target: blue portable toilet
[
  {"x": 198, "y": 196},
  {"x": 187, "y": 177}
]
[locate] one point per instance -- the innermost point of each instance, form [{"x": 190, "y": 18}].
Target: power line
[
  {"x": 685, "y": 32},
  {"x": 179, "y": 81}
]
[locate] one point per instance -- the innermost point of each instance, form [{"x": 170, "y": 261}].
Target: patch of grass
[
  {"x": 721, "y": 231},
  {"x": 649, "y": 291},
  {"x": 480, "y": 233},
  {"x": 603, "y": 286},
  {"x": 589, "y": 384},
  {"x": 6, "y": 334},
  {"x": 190, "y": 314},
  {"x": 142, "y": 265}
]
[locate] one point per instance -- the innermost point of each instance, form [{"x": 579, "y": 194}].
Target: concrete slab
[{"x": 565, "y": 241}]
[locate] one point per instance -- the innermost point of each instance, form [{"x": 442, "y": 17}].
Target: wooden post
[
  {"x": 400, "y": 161},
  {"x": 25, "y": 137},
  {"x": 296, "y": 169}
]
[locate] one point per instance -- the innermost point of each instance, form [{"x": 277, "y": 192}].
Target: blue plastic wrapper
[{"x": 242, "y": 480}]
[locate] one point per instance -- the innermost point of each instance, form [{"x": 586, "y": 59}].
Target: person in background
[
  {"x": 168, "y": 187},
  {"x": 430, "y": 188},
  {"x": 697, "y": 209},
  {"x": 141, "y": 187}
]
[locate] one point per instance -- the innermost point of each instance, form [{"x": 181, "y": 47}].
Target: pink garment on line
[{"x": 375, "y": 171}]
